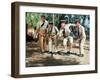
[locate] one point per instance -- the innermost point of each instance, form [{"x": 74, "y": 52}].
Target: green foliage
[{"x": 33, "y": 18}]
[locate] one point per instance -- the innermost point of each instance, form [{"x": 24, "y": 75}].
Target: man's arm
[
  {"x": 83, "y": 32},
  {"x": 45, "y": 24},
  {"x": 57, "y": 30},
  {"x": 71, "y": 24}
]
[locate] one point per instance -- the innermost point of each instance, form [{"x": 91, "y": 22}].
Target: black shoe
[
  {"x": 81, "y": 55},
  {"x": 75, "y": 54},
  {"x": 67, "y": 53},
  {"x": 50, "y": 52},
  {"x": 59, "y": 52},
  {"x": 46, "y": 51},
  {"x": 55, "y": 53}
]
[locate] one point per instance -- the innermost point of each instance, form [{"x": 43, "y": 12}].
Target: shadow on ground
[
  {"x": 50, "y": 61},
  {"x": 35, "y": 59}
]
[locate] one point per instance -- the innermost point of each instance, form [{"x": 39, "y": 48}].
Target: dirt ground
[{"x": 35, "y": 58}]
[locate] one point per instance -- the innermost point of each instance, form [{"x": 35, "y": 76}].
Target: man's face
[
  {"x": 77, "y": 24},
  {"x": 42, "y": 18},
  {"x": 62, "y": 25},
  {"x": 50, "y": 25}
]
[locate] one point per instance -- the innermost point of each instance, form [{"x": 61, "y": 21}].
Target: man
[
  {"x": 66, "y": 33},
  {"x": 41, "y": 29},
  {"x": 80, "y": 37},
  {"x": 52, "y": 34}
]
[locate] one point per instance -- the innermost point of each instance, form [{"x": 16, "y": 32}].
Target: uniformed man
[
  {"x": 41, "y": 29},
  {"x": 52, "y": 34},
  {"x": 65, "y": 32},
  {"x": 80, "y": 37}
]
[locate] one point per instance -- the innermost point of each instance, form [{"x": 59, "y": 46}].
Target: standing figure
[
  {"x": 52, "y": 34},
  {"x": 41, "y": 29},
  {"x": 66, "y": 33},
  {"x": 81, "y": 37}
]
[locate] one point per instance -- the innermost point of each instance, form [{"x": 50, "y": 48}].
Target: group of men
[{"x": 49, "y": 36}]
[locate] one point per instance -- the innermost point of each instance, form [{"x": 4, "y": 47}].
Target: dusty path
[{"x": 35, "y": 58}]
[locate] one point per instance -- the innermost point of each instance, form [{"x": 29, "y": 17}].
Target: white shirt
[
  {"x": 40, "y": 23},
  {"x": 53, "y": 30},
  {"x": 66, "y": 28}
]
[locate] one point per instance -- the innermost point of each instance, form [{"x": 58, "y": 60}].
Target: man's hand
[{"x": 77, "y": 41}]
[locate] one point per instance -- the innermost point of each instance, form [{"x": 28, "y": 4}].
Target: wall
[{"x": 5, "y": 40}]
